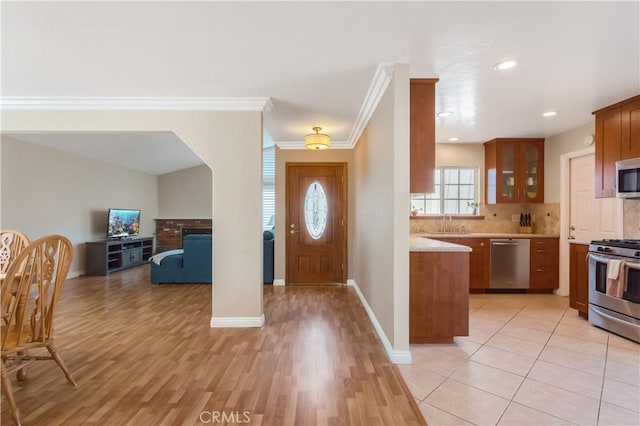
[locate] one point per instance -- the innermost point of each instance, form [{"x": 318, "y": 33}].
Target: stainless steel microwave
[{"x": 628, "y": 178}]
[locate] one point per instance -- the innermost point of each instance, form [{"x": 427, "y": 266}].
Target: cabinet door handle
[{"x": 540, "y": 270}]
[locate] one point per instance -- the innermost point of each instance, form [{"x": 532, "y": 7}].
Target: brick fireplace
[{"x": 169, "y": 232}]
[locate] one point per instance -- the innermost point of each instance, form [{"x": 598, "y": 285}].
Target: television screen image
[{"x": 123, "y": 223}]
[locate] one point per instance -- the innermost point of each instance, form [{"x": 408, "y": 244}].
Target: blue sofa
[
  {"x": 268, "y": 238},
  {"x": 194, "y": 265}
]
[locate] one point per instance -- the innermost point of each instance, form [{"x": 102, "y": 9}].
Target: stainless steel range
[{"x": 614, "y": 299}]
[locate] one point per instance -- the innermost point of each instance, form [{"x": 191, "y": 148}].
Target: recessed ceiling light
[
  {"x": 453, "y": 139},
  {"x": 549, "y": 114},
  {"x": 505, "y": 65},
  {"x": 445, "y": 114}
]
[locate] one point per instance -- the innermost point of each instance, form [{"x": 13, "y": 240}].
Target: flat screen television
[{"x": 123, "y": 223}]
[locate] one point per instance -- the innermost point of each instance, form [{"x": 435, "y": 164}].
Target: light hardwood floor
[{"x": 145, "y": 355}]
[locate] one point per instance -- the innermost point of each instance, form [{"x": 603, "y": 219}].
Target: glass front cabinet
[{"x": 514, "y": 170}]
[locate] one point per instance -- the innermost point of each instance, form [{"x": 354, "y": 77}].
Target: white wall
[
  {"x": 45, "y": 191},
  {"x": 380, "y": 228},
  {"x": 554, "y": 147},
  {"x": 230, "y": 143},
  {"x": 185, "y": 194}
]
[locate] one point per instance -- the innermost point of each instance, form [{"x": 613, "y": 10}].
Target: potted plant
[
  {"x": 415, "y": 211},
  {"x": 474, "y": 205}
]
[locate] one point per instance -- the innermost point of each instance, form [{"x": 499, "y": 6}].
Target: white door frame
[{"x": 565, "y": 220}]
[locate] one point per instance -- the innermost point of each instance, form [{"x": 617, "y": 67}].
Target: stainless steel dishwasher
[{"x": 509, "y": 260}]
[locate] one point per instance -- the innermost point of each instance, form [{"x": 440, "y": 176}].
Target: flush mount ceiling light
[
  {"x": 453, "y": 139},
  {"x": 445, "y": 114},
  {"x": 505, "y": 65},
  {"x": 549, "y": 113},
  {"x": 317, "y": 140}
]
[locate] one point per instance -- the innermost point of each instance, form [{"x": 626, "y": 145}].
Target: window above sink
[{"x": 456, "y": 194}]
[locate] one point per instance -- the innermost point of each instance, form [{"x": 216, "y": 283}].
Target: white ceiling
[
  {"x": 316, "y": 60},
  {"x": 153, "y": 153}
]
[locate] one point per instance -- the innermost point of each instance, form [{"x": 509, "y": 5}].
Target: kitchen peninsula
[{"x": 439, "y": 290}]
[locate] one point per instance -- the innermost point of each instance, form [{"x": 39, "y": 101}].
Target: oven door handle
[
  {"x": 599, "y": 311},
  {"x": 597, "y": 257}
]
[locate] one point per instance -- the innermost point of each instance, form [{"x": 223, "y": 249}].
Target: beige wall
[
  {"x": 45, "y": 191},
  {"x": 463, "y": 155},
  {"x": 472, "y": 155},
  {"x": 185, "y": 194},
  {"x": 284, "y": 156},
  {"x": 379, "y": 229},
  {"x": 554, "y": 147},
  {"x": 230, "y": 143}
]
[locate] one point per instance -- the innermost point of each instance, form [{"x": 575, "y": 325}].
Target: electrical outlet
[
  {"x": 515, "y": 218},
  {"x": 533, "y": 218}
]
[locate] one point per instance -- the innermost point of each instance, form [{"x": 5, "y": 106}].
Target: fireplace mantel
[{"x": 169, "y": 232}]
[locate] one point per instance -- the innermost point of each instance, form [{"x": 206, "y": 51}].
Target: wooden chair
[
  {"x": 37, "y": 274},
  {"x": 11, "y": 244}
]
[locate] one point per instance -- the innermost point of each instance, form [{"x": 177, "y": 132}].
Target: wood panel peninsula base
[{"x": 438, "y": 291}]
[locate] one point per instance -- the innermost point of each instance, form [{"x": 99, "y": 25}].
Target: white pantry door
[{"x": 590, "y": 218}]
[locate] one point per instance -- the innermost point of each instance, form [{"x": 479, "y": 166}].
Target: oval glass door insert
[{"x": 316, "y": 210}]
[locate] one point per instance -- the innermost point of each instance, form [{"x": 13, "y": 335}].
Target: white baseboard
[
  {"x": 396, "y": 357},
  {"x": 401, "y": 357},
  {"x": 243, "y": 322},
  {"x": 278, "y": 282},
  {"x": 74, "y": 274}
]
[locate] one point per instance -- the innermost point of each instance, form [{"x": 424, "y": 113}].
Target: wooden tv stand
[{"x": 106, "y": 256}]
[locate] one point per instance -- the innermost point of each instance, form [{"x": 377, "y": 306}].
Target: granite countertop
[
  {"x": 419, "y": 243},
  {"x": 487, "y": 235},
  {"x": 579, "y": 242}
]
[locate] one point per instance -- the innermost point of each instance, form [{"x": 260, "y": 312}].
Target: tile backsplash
[
  {"x": 632, "y": 219},
  {"x": 497, "y": 218}
]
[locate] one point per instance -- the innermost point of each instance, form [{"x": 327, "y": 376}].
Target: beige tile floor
[{"x": 528, "y": 360}]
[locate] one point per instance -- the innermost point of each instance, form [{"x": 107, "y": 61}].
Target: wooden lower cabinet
[
  {"x": 438, "y": 296},
  {"x": 543, "y": 263},
  {"x": 478, "y": 260},
  {"x": 579, "y": 278}
]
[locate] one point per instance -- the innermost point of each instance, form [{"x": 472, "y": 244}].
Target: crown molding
[
  {"x": 136, "y": 103},
  {"x": 381, "y": 80},
  {"x": 300, "y": 145},
  {"x": 379, "y": 84}
]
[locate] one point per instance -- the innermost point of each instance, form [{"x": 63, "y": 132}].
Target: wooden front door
[{"x": 316, "y": 203}]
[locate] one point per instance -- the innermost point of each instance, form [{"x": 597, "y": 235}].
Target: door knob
[{"x": 293, "y": 231}]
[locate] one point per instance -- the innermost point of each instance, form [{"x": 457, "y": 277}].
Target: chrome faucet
[{"x": 446, "y": 229}]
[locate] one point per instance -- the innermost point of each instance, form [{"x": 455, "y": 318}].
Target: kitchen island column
[{"x": 439, "y": 291}]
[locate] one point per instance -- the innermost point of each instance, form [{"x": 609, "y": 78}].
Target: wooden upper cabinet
[
  {"x": 617, "y": 138},
  {"x": 514, "y": 170},
  {"x": 422, "y": 151},
  {"x": 630, "y": 124},
  {"x": 608, "y": 134}
]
